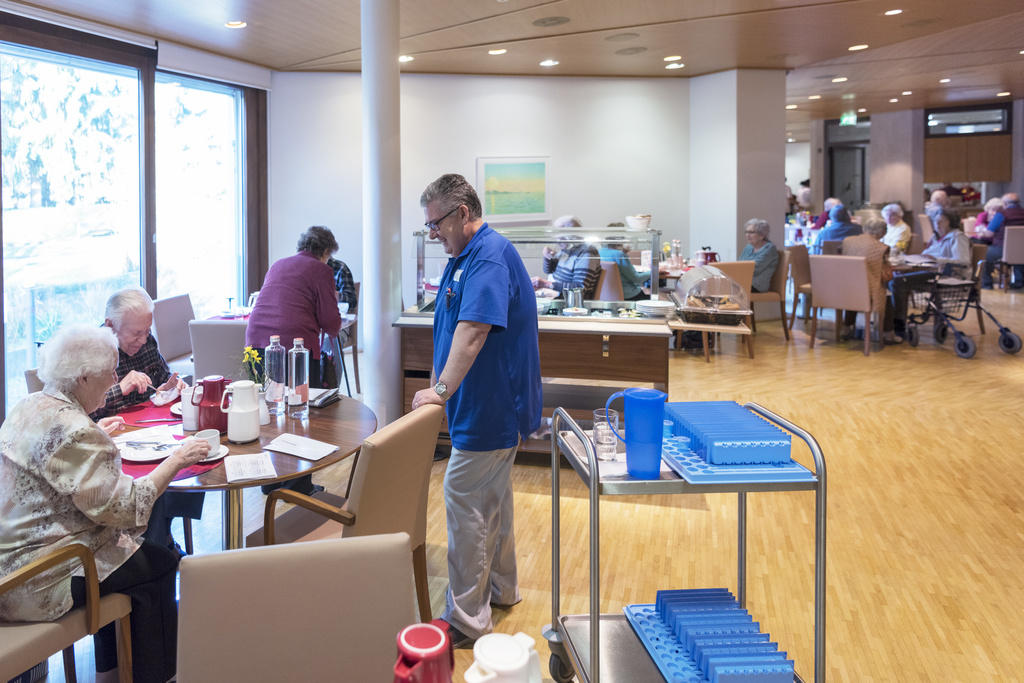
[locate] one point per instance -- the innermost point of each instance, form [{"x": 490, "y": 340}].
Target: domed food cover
[{"x": 708, "y": 296}]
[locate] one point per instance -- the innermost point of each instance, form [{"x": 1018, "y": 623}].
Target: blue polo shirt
[{"x": 500, "y": 398}]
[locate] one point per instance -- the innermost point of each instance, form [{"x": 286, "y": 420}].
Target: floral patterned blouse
[{"x": 61, "y": 483}]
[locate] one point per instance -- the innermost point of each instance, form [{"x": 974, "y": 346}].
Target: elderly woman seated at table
[
  {"x": 839, "y": 228},
  {"x": 632, "y": 282},
  {"x": 762, "y": 252},
  {"x": 876, "y": 253},
  {"x": 61, "y": 483},
  {"x": 950, "y": 246},
  {"x": 574, "y": 264},
  {"x": 897, "y": 233}
]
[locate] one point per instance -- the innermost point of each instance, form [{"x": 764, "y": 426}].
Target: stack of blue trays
[
  {"x": 726, "y": 433},
  {"x": 704, "y": 636}
]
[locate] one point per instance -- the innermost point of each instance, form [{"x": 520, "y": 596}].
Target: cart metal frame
[{"x": 578, "y": 639}]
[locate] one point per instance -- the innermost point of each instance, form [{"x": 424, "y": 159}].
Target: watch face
[{"x": 441, "y": 388}]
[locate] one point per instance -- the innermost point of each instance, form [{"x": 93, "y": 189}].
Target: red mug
[{"x": 424, "y": 655}]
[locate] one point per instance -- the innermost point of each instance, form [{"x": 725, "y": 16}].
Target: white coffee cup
[
  {"x": 501, "y": 658},
  {"x": 189, "y": 412},
  {"x": 210, "y": 436}
]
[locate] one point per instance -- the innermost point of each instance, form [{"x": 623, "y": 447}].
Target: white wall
[
  {"x": 798, "y": 164},
  {"x": 616, "y": 147}
]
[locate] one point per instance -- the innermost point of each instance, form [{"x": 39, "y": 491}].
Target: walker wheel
[
  {"x": 965, "y": 346},
  {"x": 913, "y": 335},
  {"x": 1009, "y": 342},
  {"x": 559, "y": 670},
  {"x": 940, "y": 332}
]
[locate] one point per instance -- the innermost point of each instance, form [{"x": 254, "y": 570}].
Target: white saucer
[
  {"x": 176, "y": 409},
  {"x": 156, "y": 456},
  {"x": 220, "y": 453}
]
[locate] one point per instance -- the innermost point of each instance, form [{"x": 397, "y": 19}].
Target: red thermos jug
[
  {"x": 424, "y": 655},
  {"x": 210, "y": 415}
]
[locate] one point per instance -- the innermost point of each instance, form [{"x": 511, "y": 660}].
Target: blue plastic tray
[
  {"x": 694, "y": 469},
  {"x": 724, "y": 432}
]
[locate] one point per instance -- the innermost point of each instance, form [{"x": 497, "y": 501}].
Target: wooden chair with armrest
[
  {"x": 324, "y": 611},
  {"x": 776, "y": 292},
  {"x": 841, "y": 282},
  {"x": 25, "y": 644},
  {"x": 610, "y": 285},
  {"x": 387, "y": 492},
  {"x": 800, "y": 273}
]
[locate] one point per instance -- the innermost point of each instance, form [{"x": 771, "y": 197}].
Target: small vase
[{"x": 261, "y": 400}]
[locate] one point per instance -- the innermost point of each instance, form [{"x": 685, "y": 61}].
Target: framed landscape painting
[{"x": 513, "y": 188}]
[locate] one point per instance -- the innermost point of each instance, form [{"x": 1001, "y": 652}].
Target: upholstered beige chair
[
  {"x": 25, "y": 644},
  {"x": 217, "y": 347},
  {"x": 387, "y": 493},
  {"x": 170, "y": 328},
  {"x": 611, "y": 282},
  {"x": 926, "y": 227},
  {"x": 32, "y": 381},
  {"x": 776, "y": 291},
  {"x": 800, "y": 273},
  {"x": 1013, "y": 252},
  {"x": 916, "y": 245},
  {"x": 831, "y": 247},
  {"x": 322, "y": 611},
  {"x": 842, "y": 283}
]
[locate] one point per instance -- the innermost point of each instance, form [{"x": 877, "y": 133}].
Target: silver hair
[
  {"x": 941, "y": 198},
  {"x": 890, "y": 209},
  {"x": 453, "y": 190},
  {"x": 74, "y": 352},
  {"x": 130, "y": 299},
  {"x": 832, "y": 202},
  {"x": 995, "y": 204},
  {"x": 759, "y": 224},
  {"x": 567, "y": 221},
  {"x": 1011, "y": 197},
  {"x": 875, "y": 227}
]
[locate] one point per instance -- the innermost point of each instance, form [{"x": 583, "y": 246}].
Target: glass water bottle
[
  {"x": 298, "y": 380},
  {"x": 274, "y": 364}
]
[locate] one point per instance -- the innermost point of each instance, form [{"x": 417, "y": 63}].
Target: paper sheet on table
[
  {"x": 301, "y": 447},
  {"x": 917, "y": 259},
  {"x": 248, "y": 467}
]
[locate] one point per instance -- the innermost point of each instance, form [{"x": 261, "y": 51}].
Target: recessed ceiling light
[
  {"x": 235, "y": 24},
  {"x": 1022, "y": 52},
  {"x": 893, "y": 12},
  {"x": 814, "y": 97},
  {"x": 499, "y": 51},
  {"x": 635, "y": 50},
  {"x": 894, "y": 99},
  {"x": 547, "y": 22},
  {"x": 840, "y": 79},
  {"x": 943, "y": 80},
  {"x": 672, "y": 58},
  {"x": 858, "y": 47},
  {"x": 1003, "y": 94},
  {"x": 861, "y": 110},
  {"x": 549, "y": 62},
  {"x": 675, "y": 65},
  {"x": 619, "y": 37},
  {"x": 790, "y": 106},
  {"x": 405, "y": 58},
  {"x": 908, "y": 92}
]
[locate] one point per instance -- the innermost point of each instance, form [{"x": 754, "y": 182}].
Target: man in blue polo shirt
[{"x": 486, "y": 372}]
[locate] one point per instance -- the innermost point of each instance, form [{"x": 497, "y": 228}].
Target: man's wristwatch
[{"x": 441, "y": 389}]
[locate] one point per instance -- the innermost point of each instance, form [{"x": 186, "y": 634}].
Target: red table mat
[
  {"x": 141, "y": 469},
  {"x": 147, "y": 411}
]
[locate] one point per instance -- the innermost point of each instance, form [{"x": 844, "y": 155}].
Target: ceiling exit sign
[{"x": 848, "y": 118}]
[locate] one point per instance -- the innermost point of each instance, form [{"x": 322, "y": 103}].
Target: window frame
[{"x": 1006, "y": 107}]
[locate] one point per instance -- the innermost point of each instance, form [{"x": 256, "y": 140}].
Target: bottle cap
[
  {"x": 297, "y": 340},
  {"x": 275, "y": 338}
]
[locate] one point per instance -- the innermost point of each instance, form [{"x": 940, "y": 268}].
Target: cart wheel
[
  {"x": 559, "y": 670},
  {"x": 1009, "y": 342},
  {"x": 965, "y": 346},
  {"x": 913, "y": 335},
  {"x": 940, "y": 332}
]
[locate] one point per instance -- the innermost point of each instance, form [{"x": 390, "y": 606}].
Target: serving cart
[{"x": 595, "y": 645}]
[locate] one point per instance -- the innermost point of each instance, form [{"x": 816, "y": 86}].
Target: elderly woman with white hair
[
  {"x": 897, "y": 232},
  {"x": 762, "y": 252},
  {"x": 61, "y": 483},
  {"x": 574, "y": 264}
]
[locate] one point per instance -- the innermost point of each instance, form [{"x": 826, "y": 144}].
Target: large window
[
  {"x": 200, "y": 225},
  {"x": 70, "y": 135},
  {"x": 977, "y": 120}
]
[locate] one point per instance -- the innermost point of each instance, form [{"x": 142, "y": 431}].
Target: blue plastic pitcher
[{"x": 644, "y": 415}]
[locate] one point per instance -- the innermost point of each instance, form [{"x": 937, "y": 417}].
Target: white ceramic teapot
[{"x": 244, "y": 413}]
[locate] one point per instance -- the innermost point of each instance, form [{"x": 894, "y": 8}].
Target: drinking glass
[{"x": 604, "y": 438}]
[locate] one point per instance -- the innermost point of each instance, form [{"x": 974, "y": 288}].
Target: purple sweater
[{"x": 298, "y": 299}]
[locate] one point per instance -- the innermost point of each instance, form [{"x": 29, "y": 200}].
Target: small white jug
[{"x": 501, "y": 658}]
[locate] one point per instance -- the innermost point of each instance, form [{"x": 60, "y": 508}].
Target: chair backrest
[
  {"x": 927, "y": 229},
  {"x": 32, "y": 381},
  {"x": 610, "y": 288},
  {"x": 978, "y": 253},
  {"x": 916, "y": 245},
  {"x": 831, "y": 247},
  {"x": 322, "y": 611},
  {"x": 799, "y": 266},
  {"x": 1013, "y": 244},
  {"x": 217, "y": 347},
  {"x": 740, "y": 271},
  {"x": 170, "y": 325},
  {"x": 970, "y": 223},
  {"x": 781, "y": 274},
  {"x": 389, "y": 483},
  {"x": 841, "y": 282}
]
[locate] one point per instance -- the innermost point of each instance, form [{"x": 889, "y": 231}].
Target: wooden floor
[{"x": 925, "y": 511}]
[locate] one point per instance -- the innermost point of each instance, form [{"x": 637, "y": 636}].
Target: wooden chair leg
[
  {"x": 792, "y": 317},
  {"x": 186, "y": 525},
  {"x": 753, "y": 323},
  {"x": 867, "y": 333},
  {"x": 839, "y": 324},
  {"x": 355, "y": 358},
  {"x": 70, "y": 675},
  {"x": 123, "y": 629},
  {"x": 814, "y": 325},
  {"x": 782, "y": 313},
  {"x": 704, "y": 340},
  {"x": 750, "y": 344},
  {"x": 419, "y": 568}
]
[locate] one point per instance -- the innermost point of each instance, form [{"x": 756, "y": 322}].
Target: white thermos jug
[{"x": 244, "y": 413}]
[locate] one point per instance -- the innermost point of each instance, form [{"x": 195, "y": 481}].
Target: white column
[
  {"x": 1017, "y": 113},
  {"x": 382, "y": 266},
  {"x": 818, "y": 190},
  {"x": 896, "y": 157}
]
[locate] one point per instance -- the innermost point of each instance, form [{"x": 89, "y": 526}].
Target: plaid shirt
[
  {"x": 147, "y": 361},
  {"x": 344, "y": 283}
]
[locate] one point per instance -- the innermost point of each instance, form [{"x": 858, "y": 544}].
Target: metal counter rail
[{"x": 626, "y": 653}]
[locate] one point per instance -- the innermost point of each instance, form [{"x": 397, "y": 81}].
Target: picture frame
[{"x": 513, "y": 188}]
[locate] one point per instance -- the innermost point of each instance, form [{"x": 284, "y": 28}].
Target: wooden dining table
[{"x": 344, "y": 424}]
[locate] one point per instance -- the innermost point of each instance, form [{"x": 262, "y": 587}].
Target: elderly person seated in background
[
  {"x": 990, "y": 220},
  {"x": 575, "y": 264},
  {"x": 839, "y": 228},
  {"x": 762, "y": 252},
  {"x": 940, "y": 199},
  {"x": 897, "y": 233},
  {"x": 61, "y": 483},
  {"x": 869, "y": 245},
  {"x": 617, "y": 252},
  {"x": 950, "y": 248},
  {"x": 824, "y": 216}
]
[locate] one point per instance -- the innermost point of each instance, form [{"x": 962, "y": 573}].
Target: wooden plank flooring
[{"x": 925, "y": 511}]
